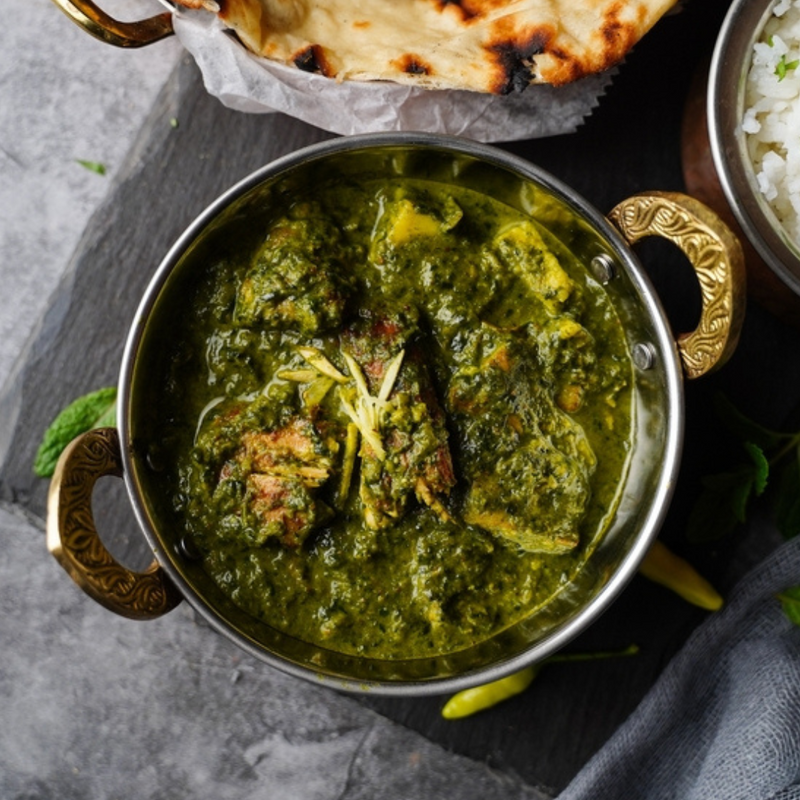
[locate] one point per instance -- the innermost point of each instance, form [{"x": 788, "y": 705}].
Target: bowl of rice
[{"x": 754, "y": 127}]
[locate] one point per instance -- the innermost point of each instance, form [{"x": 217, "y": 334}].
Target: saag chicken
[
  {"x": 411, "y": 421},
  {"x": 530, "y": 464},
  {"x": 409, "y": 452}
]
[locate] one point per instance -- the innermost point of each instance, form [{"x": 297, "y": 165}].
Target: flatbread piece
[{"x": 494, "y": 46}]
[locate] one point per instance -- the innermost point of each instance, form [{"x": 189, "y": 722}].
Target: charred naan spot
[
  {"x": 470, "y": 10},
  {"x": 565, "y": 67},
  {"x": 312, "y": 59},
  {"x": 412, "y": 65},
  {"x": 614, "y": 38},
  {"x": 462, "y": 6},
  {"x": 619, "y": 35},
  {"x": 514, "y": 58}
]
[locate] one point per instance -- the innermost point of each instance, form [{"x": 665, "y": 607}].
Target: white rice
[{"x": 772, "y": 118}]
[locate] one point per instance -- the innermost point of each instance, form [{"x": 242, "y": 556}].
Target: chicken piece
[
  {"x": 296, "y": 281},
  {"x": 527, "y": 462},
  {"x": 534, "y": 497},
  {"x": 407, "y": 452},
  {"x": 280, "y": 470},
  {"x": 521, "y": 250},
  {"x": 283, "y": 507},
  {"x": 293, "y": 451},
  {"x": 534, "y": 284},
  {"x": 405, "y": 219}
]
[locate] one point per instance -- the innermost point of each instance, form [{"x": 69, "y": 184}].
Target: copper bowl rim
[{"x": 730, "y": 65}]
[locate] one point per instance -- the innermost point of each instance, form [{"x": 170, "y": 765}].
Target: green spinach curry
[{"x": 409, "y": 421}]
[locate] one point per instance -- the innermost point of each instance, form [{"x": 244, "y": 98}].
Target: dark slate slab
[
  {"x": 172, "y": 173},
  {"x": 630, "y": 144}
]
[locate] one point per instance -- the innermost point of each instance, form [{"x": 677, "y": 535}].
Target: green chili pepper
[
  {"x": 663, "y": 566},
  {"x": 478, "y": 698},
  {"x": 487, "y": 695}
]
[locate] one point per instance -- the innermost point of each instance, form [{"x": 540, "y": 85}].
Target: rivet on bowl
[
  {"x": 644, "y": 355},
  {"x": 603, "y": 268}
]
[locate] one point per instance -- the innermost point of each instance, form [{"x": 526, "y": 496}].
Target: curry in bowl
[
  {"x": 395, "y": 415},
  {"x": 399, "y": 412}
]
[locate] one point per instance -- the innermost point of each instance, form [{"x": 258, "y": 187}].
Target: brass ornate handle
[
  {"x": 716, "y": 255},
  {"x": 72, "y": 537},
  {"x": 122, "y": 34}
]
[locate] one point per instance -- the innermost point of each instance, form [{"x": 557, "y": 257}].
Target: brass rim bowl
[
  {"x": 726, "y": 103},
  {"x": 659, "y": 361}
]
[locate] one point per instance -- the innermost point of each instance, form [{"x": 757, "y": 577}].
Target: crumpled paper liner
[{"x": 245, "y": 82}]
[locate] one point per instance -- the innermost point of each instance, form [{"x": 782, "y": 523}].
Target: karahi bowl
[{"x": 659, "y": 364}]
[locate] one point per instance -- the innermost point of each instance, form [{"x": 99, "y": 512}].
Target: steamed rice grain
[{"x": 772, "y": 117}]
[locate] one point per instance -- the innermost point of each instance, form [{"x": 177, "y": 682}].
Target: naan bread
[{"x": 496, "y": 46}]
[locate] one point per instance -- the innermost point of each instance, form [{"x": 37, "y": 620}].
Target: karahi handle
[
  {"x": 716, "y": 255},
  {"x": 73, "y": 540},
  {"x": 122, "y": 34}
]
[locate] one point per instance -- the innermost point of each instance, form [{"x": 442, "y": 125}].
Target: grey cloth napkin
[{"x": 723, "y": 719}]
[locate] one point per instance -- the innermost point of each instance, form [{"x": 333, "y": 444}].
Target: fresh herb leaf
[
  {"x": 761, "y": 471},
  {"x": 94, "y": 166},
  {"x": 715, "y": 514},
  {"x": 93, "y": 410},
  {"x": 784, "y": 66},
  {"x": 739, "y": 497},
  {"x": 773, "y": 458},
  {"x": 731, "y": 482},
  {"x": 725, "y": 496},
  {"x": 787, "y": 498},
  {"x": 744, "y": 428},
  {"x": 790, "y": 600}
]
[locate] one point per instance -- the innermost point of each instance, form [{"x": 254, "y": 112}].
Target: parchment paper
[{"x": 245, "y": 82}]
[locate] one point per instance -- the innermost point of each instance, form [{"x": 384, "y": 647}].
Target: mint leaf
[
  {"x": 724, "y": 482},
  {"x": 787, "y": 498},
  {"x": 722, "y": 504},
  {"x": 745, "y": 428},
  {"x": 93, "y": 410},
  {"x": 761, "y": 472},
  {"x": 790, "y": 600},
  {"x": 717, "y": 511},
  {"x": 738, "y": 498},
  {"x": 93, "y": 166},
  {"x": 773, "y": 462}
]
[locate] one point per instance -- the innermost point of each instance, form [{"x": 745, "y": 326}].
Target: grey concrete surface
[
  {"x": 94, "y": 706},
  {"x": 168, "y": 709},
  {"x": 64, "y": 96}
]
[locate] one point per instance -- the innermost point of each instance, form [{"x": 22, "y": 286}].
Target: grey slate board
[
  {"x": 630, "y": 144},
  {"x": 171, "y": 174}
]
